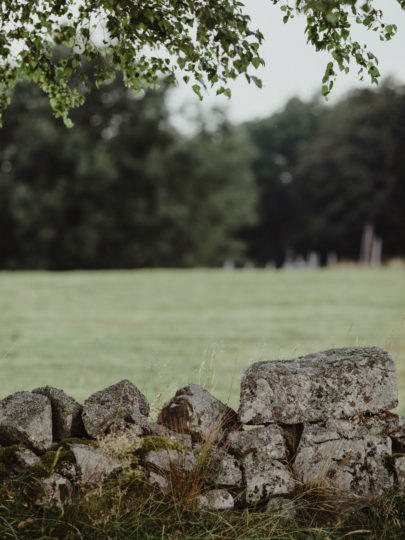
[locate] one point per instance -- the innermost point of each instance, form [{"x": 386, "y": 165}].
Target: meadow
[{"x": 82, "y": 331}]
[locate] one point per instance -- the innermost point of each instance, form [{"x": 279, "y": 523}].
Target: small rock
[
  {"x": 265, "y": 442},
  {"x": 23, "y": 460},
  {"x": 224, "y": 470},
  {"x": 195, "y": 411},
  {"x": 344, "y": 456},
  {"x": 26, "y": 418},
  {"x": 167, "y": 460},
  {"x": 56, "y": 489},
  {"x": 66, "y": 413},
  {"x": 265, "y": 479},
  {"x": 400, "y": 472},
  {"x": 285, "y": 507},
  {"x": 159, "y": 481},
  {"x": 118, "y": 405},
  {"x": 216, "y": 499},
  {"x": 337, "y": 383},
  {"x": 394, "y": 427},
  {"x": 92, "y": 464}
]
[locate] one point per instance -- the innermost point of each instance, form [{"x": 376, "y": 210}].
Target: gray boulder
[
  {"x": 262, "y": 452},
  {"x": 115, "y": 407},
  {"x": 195, "y": 411},
  {"x": 23, "y": 460},
  {"x": 26, "y": 418},
  {"x": 224, "y": 470},
  {"x": 344, "y": 456},
  {"x": 265, "y": 479},
  {"x": 66, "y": 413},
  {"x": 216, "y": 499},
  {"x": 337, "y": 383},
  {"x": 92, "y": 464}
]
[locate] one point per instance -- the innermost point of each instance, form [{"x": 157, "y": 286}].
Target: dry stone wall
[{"x": 319, "y": 420}]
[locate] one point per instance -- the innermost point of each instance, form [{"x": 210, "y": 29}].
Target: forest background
[{"x": 126, "y": 189}]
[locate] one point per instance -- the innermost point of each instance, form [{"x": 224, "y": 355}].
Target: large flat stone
[
  {"x": 337, "y": 383},
  {"x": 345, "y": 456},
  {"x": 26, "y": 418},
  {"x": 195, "y": 411}
]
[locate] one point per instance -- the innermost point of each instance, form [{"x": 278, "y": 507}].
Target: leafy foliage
[
  {"x": 209, "y": 42},
  {"x": 205, "y": 42},
  {"x": 329, "y": 28}
]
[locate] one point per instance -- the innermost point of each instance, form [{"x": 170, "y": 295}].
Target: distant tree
[
  {"x": 352, "y": 172},
  {"x": 209, "y": 41},
  {"x": 123, "y": 189},
  {"x": 280, "y": 142}
]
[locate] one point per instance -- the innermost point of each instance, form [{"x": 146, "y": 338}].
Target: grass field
[{"x": 82, "y": 331}]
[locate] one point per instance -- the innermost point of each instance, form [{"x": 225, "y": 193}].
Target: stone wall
[{"x": 319, "y": 420}]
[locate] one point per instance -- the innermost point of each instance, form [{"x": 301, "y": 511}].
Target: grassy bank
[
  {"x": 163, "y": 328},
  {"x": 123, "y": 510}
]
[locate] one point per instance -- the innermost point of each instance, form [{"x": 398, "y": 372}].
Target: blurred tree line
[
  {"x": 324, "y": 172},
  {"x": 124, "y": 189}
]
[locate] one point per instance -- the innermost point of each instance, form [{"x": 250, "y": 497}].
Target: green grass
[
  {"x": 82, "y": 331},
  {"x": 125, "y": 508}
]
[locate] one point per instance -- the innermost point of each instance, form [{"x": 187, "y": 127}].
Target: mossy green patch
[
  {"x": 56, "y": 457},
  {"x": 4, "y": 472},
  {"x": 51, "y": 462},
  {"x": 39, "y": 470},
  {"x": 7, "y": 455},
  {"x": 154, "y": 442}
]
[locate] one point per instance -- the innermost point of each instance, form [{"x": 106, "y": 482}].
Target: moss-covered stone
[
  {"x": 55, "y": 458},
  {"x": 52, "y": 462},
  {"x": 39, "y": 470},
  {"x": 154, "y": 442}
]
